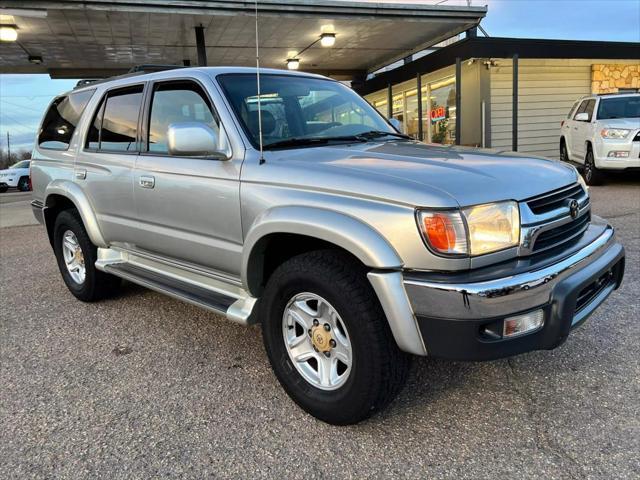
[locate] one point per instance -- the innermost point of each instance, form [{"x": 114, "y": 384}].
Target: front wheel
[
  {"x": 23, "y": 184},
  {"x": 564, "y": 154},
  {"x": 328, "y": 340},
  {"x": 592, "y": 175}
]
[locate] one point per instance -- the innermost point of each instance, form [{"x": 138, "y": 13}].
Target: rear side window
[
  {"x": 61, "y": 120},
  {"x": 177, "y": 102},
  {"x": 591, "y": 104},
  {"x": 115, "y": 125}
]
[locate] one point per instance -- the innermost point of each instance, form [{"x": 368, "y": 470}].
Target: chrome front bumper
[{"x": 455, "y": 319}]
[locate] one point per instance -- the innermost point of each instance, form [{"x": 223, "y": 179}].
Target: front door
[
  {"x": 582, "y": 131},
  {"x": 188, "y": 208}
]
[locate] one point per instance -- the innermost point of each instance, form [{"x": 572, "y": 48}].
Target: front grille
[
  {"x": 559, "y": 235},
  {"x": 555, "y": 199},
  {"x": 592, "y": 290}
]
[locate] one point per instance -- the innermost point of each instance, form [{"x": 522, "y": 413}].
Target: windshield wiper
[
  {"x": 312, "y": 141},
  {"x": 381, "y": 133}
]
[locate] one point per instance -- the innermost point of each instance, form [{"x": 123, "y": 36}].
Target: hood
[
  {"x": 424, "y": 175},
  {"x": 629, "y": 123}
]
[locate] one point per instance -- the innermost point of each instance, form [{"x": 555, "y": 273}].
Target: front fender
[
  {"x": 74, "y": 193},
  {"x": 347, "y": 232}
]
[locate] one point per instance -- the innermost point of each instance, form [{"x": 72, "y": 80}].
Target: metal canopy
[{"x": 78, "y": 38}]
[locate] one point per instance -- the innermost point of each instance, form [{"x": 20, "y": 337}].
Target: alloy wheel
[
  {"x": 317, "y": 341},
  {"x": 73, "y": 257}
]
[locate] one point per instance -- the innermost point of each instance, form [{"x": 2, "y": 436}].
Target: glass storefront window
[
  {"x": 381, "y": 106},
  {"x": 442, "y": 111},
  {"x": 398, "y": 108}
]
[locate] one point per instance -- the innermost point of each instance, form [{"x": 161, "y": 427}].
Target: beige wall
[{"x": 547, "y": 90}]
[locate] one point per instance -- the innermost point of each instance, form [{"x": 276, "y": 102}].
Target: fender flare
[
  {"x": 345, "y": 231},
  {"x": 74, "y": 193}
]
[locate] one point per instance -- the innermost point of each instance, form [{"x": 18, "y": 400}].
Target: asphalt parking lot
[{"x": 144, "y": 386}]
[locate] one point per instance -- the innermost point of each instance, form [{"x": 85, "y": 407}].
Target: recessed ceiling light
[
  {"x": 35, "y": 59},
  {"x": 8, "y": 33},
  {"x": 328, "y": 39},
  {"x": 293, "y": 63}
]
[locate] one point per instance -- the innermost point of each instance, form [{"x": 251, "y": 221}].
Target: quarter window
[
  {"x": 115, "y": 125},
  {"x": 173, "y": 103},
  {"x": 61, "y": 120}
]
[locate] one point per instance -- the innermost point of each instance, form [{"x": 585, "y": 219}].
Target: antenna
[{"x": 258, "y": 85}]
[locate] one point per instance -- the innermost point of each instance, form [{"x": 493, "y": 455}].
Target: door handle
[
  {"x": 147, "y": 182},
  {"x": 80, "y": 173}
]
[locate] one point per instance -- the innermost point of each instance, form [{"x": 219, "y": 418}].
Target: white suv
[
  {"x": 16, "y": 175},
  {"x": 602, "y": 132}
]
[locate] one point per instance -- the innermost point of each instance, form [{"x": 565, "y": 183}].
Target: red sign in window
[{"x": 438, "y": 113}]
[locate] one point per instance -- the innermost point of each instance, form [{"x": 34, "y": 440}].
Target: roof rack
[
  {"x": 150, "y": 68},
  {"x": 133, "y": 71}
]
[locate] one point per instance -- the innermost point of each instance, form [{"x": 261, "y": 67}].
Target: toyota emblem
[{"x": 574, "y": 208}]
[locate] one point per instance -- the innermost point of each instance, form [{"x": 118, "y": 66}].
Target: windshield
[
  {"x": 621, "y": 107},
  {"x": 300, "y": 110},
  {"x": 22, "y": 164}
]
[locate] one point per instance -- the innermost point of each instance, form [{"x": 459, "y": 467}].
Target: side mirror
[
  {"x": 582, "y": 117},
  {"x": 194, "y": 139},
  {"x": 395, "y": 123}
]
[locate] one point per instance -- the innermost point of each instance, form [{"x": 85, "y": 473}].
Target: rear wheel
[
  {"x": 328, "y": 340},
  {"x": 564, "y": 154},
  {"x": 77, "y": 256},
  {"x": 23, "y": 184},
  {"x": 592, "y": 175}
]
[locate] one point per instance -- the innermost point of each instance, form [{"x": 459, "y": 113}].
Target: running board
[{"x": 208, "y": 293}]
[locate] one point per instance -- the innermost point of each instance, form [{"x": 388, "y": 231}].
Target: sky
[{"x": 24, "y": 98}]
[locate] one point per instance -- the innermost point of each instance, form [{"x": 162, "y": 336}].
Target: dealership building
[{"x": 449, "y": 84}]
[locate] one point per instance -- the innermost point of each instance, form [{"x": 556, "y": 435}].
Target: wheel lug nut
[
  {"x": 332, "y": 342},
  {"x": 327, "y": 354},
  {"x": 315, "y": 322},
  {"x": 309, "y": 332},
  {"x": 327, "y": 327}
]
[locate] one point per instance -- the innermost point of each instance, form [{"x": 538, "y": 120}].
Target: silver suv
[{"x": 303, "y": 209}]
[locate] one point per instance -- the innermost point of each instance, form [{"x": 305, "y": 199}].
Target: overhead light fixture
[
  {"x": 35, "y": 59},
  {"x": 328, "y": 39},
  {"x": 293, "y": 63},
  {"x": 8, "y": 33}
]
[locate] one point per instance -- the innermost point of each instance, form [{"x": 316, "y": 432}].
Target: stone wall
[{"x": 610, "y": 78}]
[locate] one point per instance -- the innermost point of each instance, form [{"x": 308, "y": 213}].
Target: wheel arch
[
  {"x": 302, "y": 229},
  {"x": 62, "y": 195}
]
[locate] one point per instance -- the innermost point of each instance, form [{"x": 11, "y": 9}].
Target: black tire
[
  {"x": 592, "y": 175},
  {"x": 23, "y": 184},
  {"x": 379, "y": 369},
  {"x": 97, "y": 285},
  {"x": 564, "y": 154},
  {"x": 4, "y": 188}
]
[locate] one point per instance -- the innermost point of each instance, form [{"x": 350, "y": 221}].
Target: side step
[
  {"x": 199, "y": 296},
  {"x": 196, "y": 287}
]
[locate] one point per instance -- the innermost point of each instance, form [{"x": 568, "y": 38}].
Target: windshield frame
[{"x": 255, "y": 142}]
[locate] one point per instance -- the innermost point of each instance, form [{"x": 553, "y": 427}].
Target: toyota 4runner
[{"x": 301, "y": 208}]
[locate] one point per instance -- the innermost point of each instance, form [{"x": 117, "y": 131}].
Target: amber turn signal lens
[
  {"x": 440, "y": 232},
  {"x": 444, "y": 232}
]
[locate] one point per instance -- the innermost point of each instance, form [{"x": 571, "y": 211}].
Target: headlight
[
  {"x": 492, "y": 227},
  {"x": 472, "y": 231},
  {"x": 582, "y": 183},
  {"x": 615, "y": 133}
]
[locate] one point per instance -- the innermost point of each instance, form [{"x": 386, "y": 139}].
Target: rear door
[
  {"x": 104, "y": 165},
  {"x": 188, "y": 209}
]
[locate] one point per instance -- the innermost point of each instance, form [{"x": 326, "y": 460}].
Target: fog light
[
  {"x": 619, "y": 154},
  {"x": 522, "y": 324}
]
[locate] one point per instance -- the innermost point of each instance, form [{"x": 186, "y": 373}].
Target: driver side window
[{"x": 177, "y": 102}]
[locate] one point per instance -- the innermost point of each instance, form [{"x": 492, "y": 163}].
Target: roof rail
[
  {"x": 85, "y": 82},
  {"x": 150, "y": 68}
]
